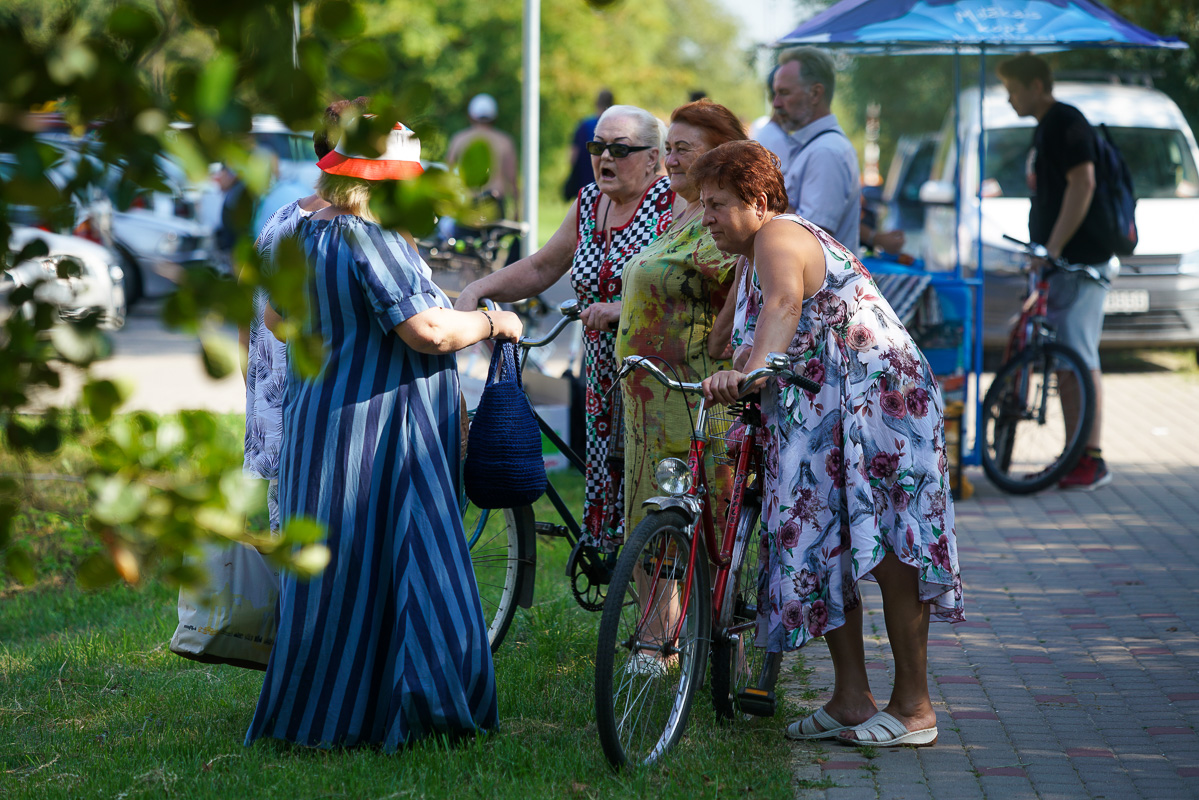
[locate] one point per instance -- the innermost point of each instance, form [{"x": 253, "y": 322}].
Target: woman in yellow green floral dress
[{"x": 675, "y": 307}]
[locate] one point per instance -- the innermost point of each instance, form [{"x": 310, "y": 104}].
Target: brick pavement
[{"x": 1077, "y": 673}]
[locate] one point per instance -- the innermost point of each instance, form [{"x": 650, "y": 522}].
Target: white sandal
[
  {"x": 818, "y": 725},
  {"x": 884, "y": 730}
]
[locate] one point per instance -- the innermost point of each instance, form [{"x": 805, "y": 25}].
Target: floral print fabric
[
  {"x": 855, "y": 470},
  {"x": 673, "y": 291}
]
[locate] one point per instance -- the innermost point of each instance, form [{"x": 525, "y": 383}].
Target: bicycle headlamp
[{"x": 673, "y": 477}]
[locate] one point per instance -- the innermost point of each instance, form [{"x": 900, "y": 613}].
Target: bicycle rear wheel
[
  {"x": 645, "y": 677},
  {"x": 497, "y": 540},
  {"x": 1027, "y": 445},
  {"x": 739, "y": 660}
]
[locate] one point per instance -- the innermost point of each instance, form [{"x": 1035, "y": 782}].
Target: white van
[{"x": 1155, "y": 300}]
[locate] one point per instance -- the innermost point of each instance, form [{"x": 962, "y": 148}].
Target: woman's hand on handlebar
[
  {"x": 601, "y": 316},
  {"x": 507, "y": 325},
  {"x": 724, "y": 387}
]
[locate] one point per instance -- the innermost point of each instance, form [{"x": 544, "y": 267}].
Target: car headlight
[
  {"x": 168, "y": 245},
  {"x": 673, "y": 477},
  {"x": 116, "y": 273},
  {"x": 1189, "y": 263}
]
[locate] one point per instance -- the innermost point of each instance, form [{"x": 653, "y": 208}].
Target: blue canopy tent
[{"x": 971, "y": 27}]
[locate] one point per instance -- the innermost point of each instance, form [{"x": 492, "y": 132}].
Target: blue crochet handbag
[{"x": 504, "y": 467}]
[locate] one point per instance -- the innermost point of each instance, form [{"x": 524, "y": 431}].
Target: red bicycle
[
  {"x": 661, "y": 613},
  {"x": 1029, "y": 441}
]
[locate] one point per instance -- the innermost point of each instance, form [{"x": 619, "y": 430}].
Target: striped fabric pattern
[{"x": 387, "y": 645}]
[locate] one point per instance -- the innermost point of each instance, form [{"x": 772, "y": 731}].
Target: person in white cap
[
  {"x": 502, "y": 183},
  {"x": 387, "y": 644}
]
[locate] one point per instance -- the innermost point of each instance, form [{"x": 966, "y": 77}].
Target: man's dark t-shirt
[{"x": 1063, "y": 140}]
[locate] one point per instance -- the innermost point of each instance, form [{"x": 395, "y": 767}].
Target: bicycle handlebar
[
  {"x": 1039, "y": 251},
  {"x": 570, "y": 312},
  {"x": 777, "y": 364}
]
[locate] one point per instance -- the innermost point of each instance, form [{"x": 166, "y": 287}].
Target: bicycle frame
[{"x": 695, "y": 502}]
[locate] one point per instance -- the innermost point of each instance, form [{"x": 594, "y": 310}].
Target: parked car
[
  {"x": 1154, "y": 302},
  {"x": 156, "y": 237},
  {"x": 897, "y": 203},
  {"x": 92, "y": 287}
]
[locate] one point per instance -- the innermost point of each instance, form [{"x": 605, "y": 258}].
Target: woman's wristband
[{"x": 490, "y": 324}]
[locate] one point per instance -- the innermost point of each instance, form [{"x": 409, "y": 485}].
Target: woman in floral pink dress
[{"x": 856, "y": 483}]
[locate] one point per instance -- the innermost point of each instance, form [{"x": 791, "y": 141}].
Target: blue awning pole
[
  {"x": 957, "y": 167},
  {"x": 979, "y": 273}
]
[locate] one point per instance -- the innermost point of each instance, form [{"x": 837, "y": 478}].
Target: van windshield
[{"x": 1159, "y": 158}]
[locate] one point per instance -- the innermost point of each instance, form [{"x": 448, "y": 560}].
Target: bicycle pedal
[
  {"x": 758, "y": 702},
  {"x": 549, "y": 529}
]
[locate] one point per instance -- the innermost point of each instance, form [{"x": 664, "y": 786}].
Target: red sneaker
[{"x": 1088, "y": 474}]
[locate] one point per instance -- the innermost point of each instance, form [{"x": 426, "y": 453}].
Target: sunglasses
[{"x": 616, "y": 149}]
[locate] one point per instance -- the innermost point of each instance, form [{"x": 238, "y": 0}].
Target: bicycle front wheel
[
  {"x": 653, "y": 649},
  {"x": 1027, "y": 443},
  {"x": 739, "y": 659},
  {"x": 497, "y": 540}
]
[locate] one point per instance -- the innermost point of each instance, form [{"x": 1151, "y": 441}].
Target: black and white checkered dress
[{"x": 596, "y": 277}]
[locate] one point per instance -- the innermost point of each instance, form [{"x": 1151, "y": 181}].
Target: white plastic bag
[{"x": 234, "y": 620}]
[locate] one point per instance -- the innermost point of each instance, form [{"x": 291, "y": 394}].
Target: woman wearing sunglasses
[{"x": 627, "y": 208}]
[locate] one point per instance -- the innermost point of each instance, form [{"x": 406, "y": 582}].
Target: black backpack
[{"x": 1114, "y": 201}]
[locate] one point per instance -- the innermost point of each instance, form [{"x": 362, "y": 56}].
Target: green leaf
[
  {"x": 117, "y": 501},
  {"x": 7, "y": 512},
  {"x": 243, "y": 494},
  {"x": 342, "y": 19},
  {"x": 303, "y": 530},
  {"x": 96, "y": 572},
  {"x": 46, "y": 439},
  {"x": 310, "y": 560},
  {"x": 475, "y": 166},
  {"x": 35, "y": 249},
  {"x": 102, "y": 397},
  {"x": 220, "y": 521},
  {"x": 19, "y": 564},
  {"x": 220, "y": 354},
  {"x": 365, "y": 61},
  {"x": 68, "y": 267},
  {"x": 215, "y": 85},
  {"x": 133, "y": 24},
  {"x": 78, "y": 344}
]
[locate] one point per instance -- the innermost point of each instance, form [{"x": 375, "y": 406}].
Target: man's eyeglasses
[{"x": 617, "y": 149}]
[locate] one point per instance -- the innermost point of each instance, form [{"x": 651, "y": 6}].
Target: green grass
[{"x": 92, "y": 704}]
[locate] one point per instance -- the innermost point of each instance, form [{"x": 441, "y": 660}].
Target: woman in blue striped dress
[{"x": 387, "y": 644}]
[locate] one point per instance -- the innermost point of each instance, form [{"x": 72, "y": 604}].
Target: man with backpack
[{"x": 1069, "y": 219}]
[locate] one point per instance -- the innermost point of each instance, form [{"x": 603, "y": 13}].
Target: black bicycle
[
  {"x": 503, "y": 542},
  {"x": 1038, "y": 411}
]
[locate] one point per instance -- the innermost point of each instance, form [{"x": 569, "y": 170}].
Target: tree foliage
[{"x": 185, "y": 77}]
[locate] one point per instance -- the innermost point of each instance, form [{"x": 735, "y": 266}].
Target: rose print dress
[
  {"x": 595, "y": 276},
  {"x": 854, "y": 471},
  {"x": 673, "y": 291}
]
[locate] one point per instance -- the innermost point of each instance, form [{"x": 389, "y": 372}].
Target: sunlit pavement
[{"x": 1075, "y": 675}]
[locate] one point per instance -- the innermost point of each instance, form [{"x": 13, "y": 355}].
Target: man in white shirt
[
  {"x": 822, "y": 179},
  {"x": 769, "y": 131}
]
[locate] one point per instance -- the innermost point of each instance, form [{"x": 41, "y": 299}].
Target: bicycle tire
[
  {"x": 502, "y": 568},
  {"x": 738, "y": 663},
  {"x": 642, "y": 707},
  {"x": 1026, "y": 447}
]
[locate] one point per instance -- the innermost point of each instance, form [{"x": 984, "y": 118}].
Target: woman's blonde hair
[{"x": 350, "y": 194}]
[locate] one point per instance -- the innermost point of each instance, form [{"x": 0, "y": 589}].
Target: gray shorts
[{"x": 1076, "y": 312}]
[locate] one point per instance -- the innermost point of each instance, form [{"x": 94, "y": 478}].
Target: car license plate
[{"x": 1129, "y": 302}]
